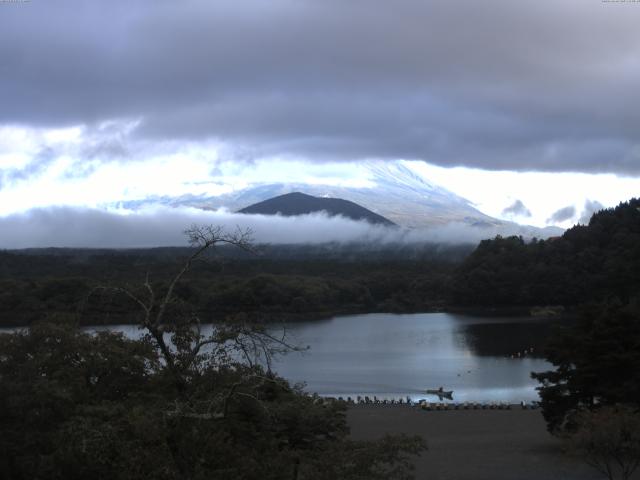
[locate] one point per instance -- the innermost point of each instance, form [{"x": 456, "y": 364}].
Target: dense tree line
[
  {"x": 595, "y": 270},
  {"x": 587, "y": 262},
  {"x": 40, "y": 284},
  {"x": 596, "y": 362}
]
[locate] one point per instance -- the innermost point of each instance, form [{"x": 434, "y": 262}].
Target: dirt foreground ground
[{"x": 474, "y": 444}]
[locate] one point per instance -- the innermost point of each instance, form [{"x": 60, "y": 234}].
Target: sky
[{"x": 527, "y": 109}]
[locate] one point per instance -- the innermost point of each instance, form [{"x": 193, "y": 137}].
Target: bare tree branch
[{"x": 233, "y": 344}]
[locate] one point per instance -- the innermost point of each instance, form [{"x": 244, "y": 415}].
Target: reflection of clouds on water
[{"x": 400, "y": 355}]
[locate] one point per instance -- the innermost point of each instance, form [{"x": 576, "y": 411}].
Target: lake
[
  {"x": 402, "y": 355},
  {"x": 390, "y": 355}
]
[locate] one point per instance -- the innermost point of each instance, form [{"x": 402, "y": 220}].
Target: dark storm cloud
[
  {"x": 563, "y": 214},
  {"x": 517, "y": 208},
  {"x": 542, "y": 85},
  {"x": 590, "y": 207}
]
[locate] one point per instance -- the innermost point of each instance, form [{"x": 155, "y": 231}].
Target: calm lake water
[{"x": 403, "y": 355}]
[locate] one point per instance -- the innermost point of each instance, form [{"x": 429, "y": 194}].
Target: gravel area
[{"x": 474, "y": 444}]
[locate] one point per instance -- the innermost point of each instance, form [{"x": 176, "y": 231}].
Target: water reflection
[
  {"x": 403, "y": 355},
  {"x": 505, "y": 338}
]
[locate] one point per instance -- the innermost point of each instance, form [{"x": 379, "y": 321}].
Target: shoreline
[
  {"x": 532, "y": 313},
  {"x": 440, "y": 405}
]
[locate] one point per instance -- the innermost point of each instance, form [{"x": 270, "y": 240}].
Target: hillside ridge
[{"x": 298, "y": 203}]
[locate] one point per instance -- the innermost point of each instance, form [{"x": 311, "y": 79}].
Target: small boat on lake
[{"x": 440, "y": 392}]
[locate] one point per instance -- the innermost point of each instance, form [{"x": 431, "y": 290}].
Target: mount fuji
[
  {"x": 396, "y": 193},
  {"x": 393, "y": 191}
]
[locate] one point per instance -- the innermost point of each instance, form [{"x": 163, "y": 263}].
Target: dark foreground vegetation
[
  {"x": 78, "y": 406},
  {"x": 74, "y": 405},
  {"x": 597, "y": 363},
  {"x": 173, "y": 405}
]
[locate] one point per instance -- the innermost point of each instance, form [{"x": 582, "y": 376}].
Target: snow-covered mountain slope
[
  {"x": 392, "y": 190},
  {"x": 396, "y": 193}
]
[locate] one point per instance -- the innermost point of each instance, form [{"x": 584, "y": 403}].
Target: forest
[
  {"x": 593, "y": 271},
  {"x": 596, "y": 261},
  {"x": 274, "y": 282},
  {"x": 220, "y": 412}
]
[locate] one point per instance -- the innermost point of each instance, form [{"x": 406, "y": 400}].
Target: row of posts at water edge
[{"x": 425, "y": 404}]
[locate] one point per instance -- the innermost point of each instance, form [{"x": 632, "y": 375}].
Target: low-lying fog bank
[{"x": 164, "y": 226}]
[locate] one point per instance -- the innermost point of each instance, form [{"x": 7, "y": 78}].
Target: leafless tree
[{"x": 175, "y": 327}]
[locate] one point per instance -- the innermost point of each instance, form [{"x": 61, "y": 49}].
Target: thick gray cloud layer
[
  {"x": 542, "y": 85},
  {"x": 517, "y": 209}
]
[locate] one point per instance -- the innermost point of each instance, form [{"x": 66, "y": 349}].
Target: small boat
[{"x": 441, "y": 393}]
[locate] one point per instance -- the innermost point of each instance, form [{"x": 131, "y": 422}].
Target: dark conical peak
[{"x": 298, "y": 203}]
